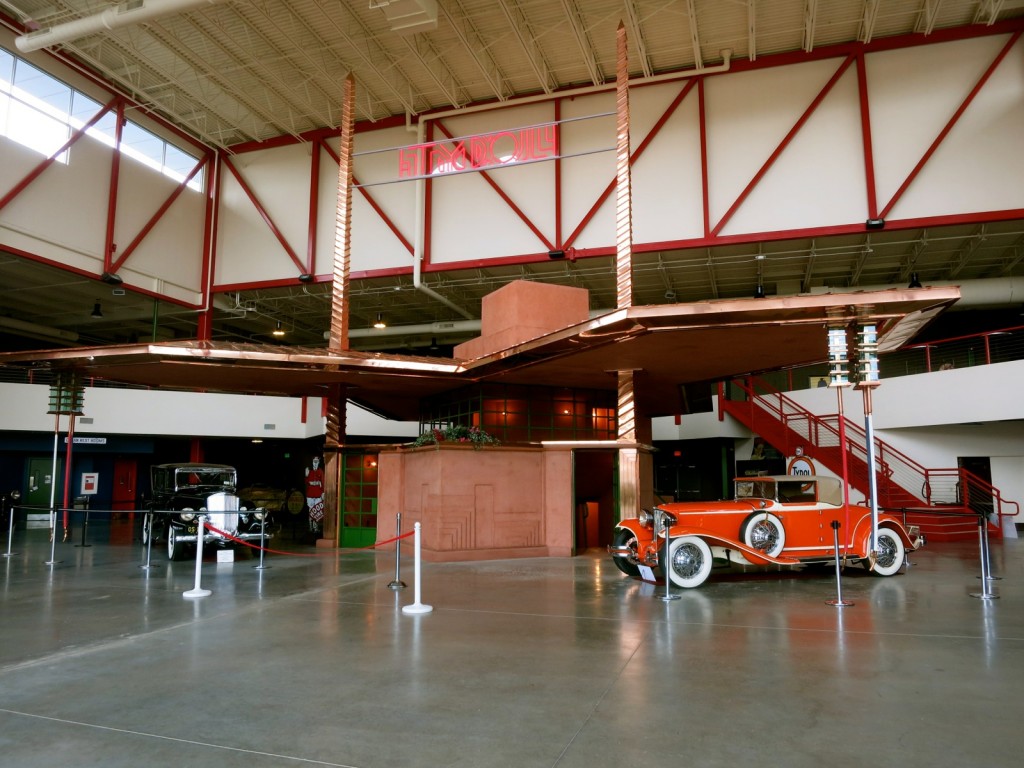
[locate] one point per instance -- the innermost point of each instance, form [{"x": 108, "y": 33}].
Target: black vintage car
[{"x": 182, "y": 492}]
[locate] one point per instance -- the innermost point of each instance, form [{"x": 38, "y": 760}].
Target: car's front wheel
[
  {"x": 890, "y": 553},
  {"x": 175, "y": 549},
  {"x": 688, "y": 561},
  {"x": 763, "y": 531},
  {"x": 625, "y": 538}
]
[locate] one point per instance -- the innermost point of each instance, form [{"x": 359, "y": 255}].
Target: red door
[{"x": 125, "y": 473}]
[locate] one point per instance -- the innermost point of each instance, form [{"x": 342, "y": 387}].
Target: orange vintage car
[{"x": 779, "y": 519}]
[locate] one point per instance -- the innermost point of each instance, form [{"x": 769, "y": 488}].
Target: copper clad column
[
  {"x": 629, "y": 456},
  {"x": 623, "y": 188},
  {"x": 340, "y": 302}
]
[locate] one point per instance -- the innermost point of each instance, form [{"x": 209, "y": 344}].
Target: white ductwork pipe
[
  {"x": 121, "y": 15},
  {"x": 35, "y": 331},
  {"x": 989, "y": 292}
]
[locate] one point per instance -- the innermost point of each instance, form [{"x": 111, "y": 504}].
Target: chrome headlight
[
  {"x": 260, "y": 514},
  {"x": 667, "y": 519},
  {"x": 646, "y": 518},
  {"x": 187, "y": 515}
]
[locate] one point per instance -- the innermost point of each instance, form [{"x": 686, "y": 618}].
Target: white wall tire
[
  {"x": 763, "y": 531},
  {"x": 175, "y": 550},
  {"x": 688, "y": 561},
  {"x": 890, "y": 553}
]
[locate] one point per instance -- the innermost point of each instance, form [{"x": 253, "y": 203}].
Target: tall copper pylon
[
  {"x": 334, "y": 437},
  {"x": 340, "y": 299},
  {"x": 623, "y": 183}
]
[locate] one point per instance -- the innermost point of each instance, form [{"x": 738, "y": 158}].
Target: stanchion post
[
  {"x": 53, "y": 534},
  {"x": 838, "y": 602},
  {"x": 85, "y": 527},
  {"x": 148, "y": 518},
  {"x": 986, "y": 582},
  {"x": 417, "y": 606},
  {"x": 263, "y": 542},
  {"x": 197, "y": 590},
  {"x": 397, "y": 583},
  {"x": 667, "y": 565},
  {"x": 906, "y": 552},
  {"x": 10, "y": 521}
]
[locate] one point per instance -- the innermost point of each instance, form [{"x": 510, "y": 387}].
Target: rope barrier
[{"x": 237, "y": 540}]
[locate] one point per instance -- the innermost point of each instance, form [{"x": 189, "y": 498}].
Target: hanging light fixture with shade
[
  {"x": 97, "y": 312},
  {"x": 379, "y": 324},
  {"x": 278, "y": 329}
]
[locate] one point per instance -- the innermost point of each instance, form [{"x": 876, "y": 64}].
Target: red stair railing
[{"x": 903, "y": 484}]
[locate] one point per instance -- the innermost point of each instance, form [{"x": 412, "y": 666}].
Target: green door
[
  {"x": 40, "y": 487},
  {"x": 358, "y": 499}
]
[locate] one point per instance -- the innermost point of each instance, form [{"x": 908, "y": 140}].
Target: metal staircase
[{"x": 946, "y": 503}]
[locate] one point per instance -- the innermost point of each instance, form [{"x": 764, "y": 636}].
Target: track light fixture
[
  {"x": 97, "y": 312},
  {"x": 380, "y": 322}
]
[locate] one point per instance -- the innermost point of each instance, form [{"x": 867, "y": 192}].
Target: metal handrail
[{"x": 895, "y": 470}]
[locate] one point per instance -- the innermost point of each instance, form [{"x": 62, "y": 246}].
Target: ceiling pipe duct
[
  {"x": 121, "y": 15},
  {"x": 36, "y": 331}
]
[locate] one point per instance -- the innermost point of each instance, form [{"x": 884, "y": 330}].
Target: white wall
[{"x": 130, "y": 411}]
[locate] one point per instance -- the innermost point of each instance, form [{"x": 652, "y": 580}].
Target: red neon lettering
[{"x": 477, "y": 152}]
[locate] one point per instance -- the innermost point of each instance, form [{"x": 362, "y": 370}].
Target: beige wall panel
[
  {"x": 980, "y": 164},
  {"x": 247, "y": 250},
  {"x": 586, "y": 176},
  {"x": 30, "y": 222},
  {"x": 169, "y": 259},
  {"x": 374, "y": 245},
  {"x": 748, "y": 116},
  {"x": 470, "y": 219},
  {"x": 819, "y": 179},
  {"x": 668, "y": 203}
]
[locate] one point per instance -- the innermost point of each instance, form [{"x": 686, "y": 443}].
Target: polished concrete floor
[{"x": 553, "y": 663}]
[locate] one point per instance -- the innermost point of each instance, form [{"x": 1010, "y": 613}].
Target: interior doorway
[
  {"x": 593, "y": 498},
  {"x": 43, "y": 487}
]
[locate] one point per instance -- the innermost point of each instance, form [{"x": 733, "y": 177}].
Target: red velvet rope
[{"x": 331, "y": 553}]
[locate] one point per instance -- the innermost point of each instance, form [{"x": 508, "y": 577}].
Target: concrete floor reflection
[{"x": 553, "y": 663}]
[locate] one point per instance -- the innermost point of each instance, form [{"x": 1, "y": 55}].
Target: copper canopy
[{"x": 670, "y": 345}]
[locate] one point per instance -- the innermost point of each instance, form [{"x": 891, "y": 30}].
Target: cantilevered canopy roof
[{"x": 667, "y": 345}]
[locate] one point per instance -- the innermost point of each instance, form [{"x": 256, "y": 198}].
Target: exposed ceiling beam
[
  {"x": 473, "y": 44},
  {"x": 527, "y": 41},
  {"x": 636, "y": 36},
  {"x": 810, "y": 23},
  {"x": 691, "y": 12},
  {"x": 579, "y": 32}
]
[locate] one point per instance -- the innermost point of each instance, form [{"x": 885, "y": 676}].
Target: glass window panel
[
  {"x": 32, "y": 128},
  {"x": 6, "y": 70},
  {"x": 140, "y": 144},
  {"x": 41, "y": 86}
]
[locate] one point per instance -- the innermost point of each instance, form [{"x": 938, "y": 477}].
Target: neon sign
[{"x": 478, "y": 153}]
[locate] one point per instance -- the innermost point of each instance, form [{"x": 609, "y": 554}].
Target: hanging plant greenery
[{"x": 456, "y": 433}]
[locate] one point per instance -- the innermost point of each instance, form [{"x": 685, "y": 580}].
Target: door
[
  {"x": 979, "y": 495},
  {"x": 358, "y": 499},
  {"x": 124, "y": 500},
  {"x": 125, "y": 491},
  {"x": 593, "y": 498},
  {"x": 41, "y": 490}
]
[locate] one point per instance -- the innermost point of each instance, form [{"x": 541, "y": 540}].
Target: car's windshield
[
  {"x": 203, "y": 478},
  {"x": 761, "y": 488}
]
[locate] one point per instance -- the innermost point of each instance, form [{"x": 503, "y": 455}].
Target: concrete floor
[{"x": 554, "y": 663}]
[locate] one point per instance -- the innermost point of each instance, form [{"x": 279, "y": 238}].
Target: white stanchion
[
  {"x": 417, "y": 606},
  {"x": 197, "y": 590}
]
